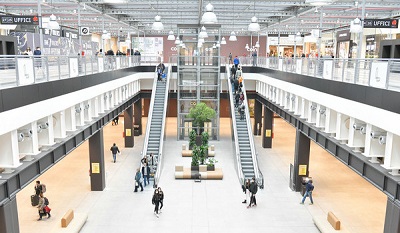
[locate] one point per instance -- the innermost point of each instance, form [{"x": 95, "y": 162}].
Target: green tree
[{"x": 201, "y": 113}]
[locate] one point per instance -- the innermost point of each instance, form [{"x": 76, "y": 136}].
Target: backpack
[
  {"x": 43, "y": 188},
  {"x": 312, "y": 188},
  {"x": 46, "y": 201}
]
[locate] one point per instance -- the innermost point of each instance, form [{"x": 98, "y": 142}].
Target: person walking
[
  {"x": 161, "y": 193},
  {"x": 43, "y": 208},
  {"x": 146, "y": 173},
  {"x": 160, "y": 71},
  {"x": 138, "y": 180},
  {"x": 254, "y": 55},
  {"x": 230, "y": 58},
  {"x": 114, "y": 150},
  {"x": 37, "y": 59},
  {"x": 253, "y": 188},
  {"x": 246, "y": 187},
  {"x": 241, "y": 111},
  {"x": 237, "y": 97},
  {"x": 156, "y": 201},
  {"x": 308, "y": 193},
  {"x": 236, "y": 62}
]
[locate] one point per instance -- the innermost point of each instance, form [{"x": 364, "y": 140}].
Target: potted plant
[
  {"x": 192, "y": 139},
  {"x": 201, "y": 113},
  {"x": 211, "y": 164},
  {"x": 195, "y": 158},
  {"x": 204, "y": 140},
  {"x": 203, "y": 154}
]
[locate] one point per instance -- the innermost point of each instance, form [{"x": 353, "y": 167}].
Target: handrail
[
  {"x": 257, "y": 171},
  {"x": 160, "y": 154},
  {"x": 149, "y": 116},
  {"x": 234, "y": 126}
]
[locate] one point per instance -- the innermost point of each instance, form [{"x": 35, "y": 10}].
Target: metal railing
[
  {"x": 376, "y": 72},
  {"x": 160, "y": 156},
  {"x": 234, "y": 127},
  {"x": 203, "y": 61},
  {"x": 25, "y": 70}
]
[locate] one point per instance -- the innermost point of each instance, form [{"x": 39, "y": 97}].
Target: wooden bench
[
  {"x": 188, "y": 153},
  {"x": 186, "y": 173},
  {"x": 329, "y": 224},
  {"x": 72, "y": 222}
]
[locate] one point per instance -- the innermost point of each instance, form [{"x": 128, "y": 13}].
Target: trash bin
[{"x": 304, "y": 181}]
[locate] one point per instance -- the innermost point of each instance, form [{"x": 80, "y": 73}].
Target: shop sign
[
  {"x": 370, "y": 38},
  {"x": 19, "y": 20},
  {"x": 343, "y": 35},
  {"x": 381, "y": 23},
  {"x": 56, "y": 33},
  {"x": 70, "y": 35}
]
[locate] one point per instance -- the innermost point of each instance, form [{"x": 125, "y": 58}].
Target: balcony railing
[{"x": 26, "y": 70}]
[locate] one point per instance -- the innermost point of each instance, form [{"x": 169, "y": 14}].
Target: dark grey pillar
[
  {"x": 392, "y": 219},
  {"x": 9, "y": 217},
  {"x": 257, "y": 118},
  {"x": 301, "y": 158},
  {"x": 267, "y": 128},
  {"x": 128, "y": 127},
  {"x": 96, "y": 157},
  {"x": 138, "y": 116}
]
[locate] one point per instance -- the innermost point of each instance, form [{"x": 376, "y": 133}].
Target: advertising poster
[
  {"x": 73, "y": 67},
  {"x": 118, "y": 62},
  {"x": 149, "y": 46},
  {"x": 280, "y": 64},
  {"x": 327, "y": 74},
  {"x": 100, "y": 63},
  {"x": 299, "y": 63},
  {"x": 378, "y": 75},
  {"x": 25, "y": 71}
]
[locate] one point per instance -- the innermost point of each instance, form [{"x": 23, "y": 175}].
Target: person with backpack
[
  {"x": 114, "y": 150},
  {"x": 43, "y": 208},
  {"x": 308, "y": 193},
  {"x": 253, "y": 190},
  {"x": 160, "y": 70}
]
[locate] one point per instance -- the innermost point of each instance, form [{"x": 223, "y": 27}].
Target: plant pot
[
  {"x": 195, "y": 168},
  {"x": 211, "y": 168}
]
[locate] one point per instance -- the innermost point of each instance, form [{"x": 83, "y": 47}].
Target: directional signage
[
  {"x": 381, "y": 23},
  {"x": 26, "y": 20},
  {"x": 85, "y": 31}
]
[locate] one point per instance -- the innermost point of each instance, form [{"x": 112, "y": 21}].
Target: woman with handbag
[
  {"x": 42, "y": 207},
  {"x": 138, "y": 182}
]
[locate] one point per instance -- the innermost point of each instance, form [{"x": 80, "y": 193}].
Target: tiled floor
[{"x": 209, "y": 206}]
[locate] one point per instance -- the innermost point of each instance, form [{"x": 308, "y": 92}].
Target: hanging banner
[
  {"x": 100, "y": 63},
  {"x": 299, "y": 63},
  {"x": 381, "y": 23},
  {"x": 25, "y": 71},
  {"x": 19, "y": 20},
  {"x": 378, "y": 75},
  {"x": 327, "y": 72}
]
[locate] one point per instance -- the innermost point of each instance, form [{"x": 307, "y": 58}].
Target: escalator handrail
[
  {"x": 257, "y": 173},
  {"x": 163, "y": 122},
  {"x": 234, "y": 126}
]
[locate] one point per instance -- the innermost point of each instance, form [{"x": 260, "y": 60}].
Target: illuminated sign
[
  {"x": 381, "y": 23},
  {"x": 26, "y": 20}
]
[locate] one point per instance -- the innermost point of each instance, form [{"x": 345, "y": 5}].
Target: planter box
[
  {"x": 211, "y": 168},
  {"x": 199, "y": 142},
  {"x": 195, "y": 168}
]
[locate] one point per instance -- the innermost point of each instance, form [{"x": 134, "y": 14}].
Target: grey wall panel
[
  {"x": 331, "y": 147},
  {"x": 343, "y": 155},
  {"x": 69, "y": 145},
  {"x": 58, "y": 153},
  {"x": 374, "y": 97},
  {"x": 390, "y": 100},
  {"x": 1, "y": 102},
  {"x": 3, "y": 190},
  {"x": 12, "y": 97},
  {"x": 13, "y": 185},
  {"x": 313, "y": 134},
  {"x": 79, "y": 138},
  {"x": 45, "y": 91},
  {"x": 374, "y": 175},
  {"x": 86, "y": 133},
  {"x": 321, "y": 140},
  {"x": 357, "y": 164},
  {"x": 45, "y": 162},
  {"x": 30, "y": 93},
  {"x": 28, "y": 173},
  {"x": 390, "y": 187}
]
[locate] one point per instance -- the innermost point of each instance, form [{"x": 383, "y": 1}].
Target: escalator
[
  {"x": 245, "y": 151},
  {"x": 154, "y": 137}
]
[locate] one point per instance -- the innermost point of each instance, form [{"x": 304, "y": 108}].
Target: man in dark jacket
[
  {"x": 138, "y": 182},
  {"x": 253, "y": 190},
  {"x": 236, "y": 84},
  {"x": 114, "y": 150},
  {"x": 160, "y": 70},
  {"x": 309, "y": 190},
  {"x": 146, "y": 173}
]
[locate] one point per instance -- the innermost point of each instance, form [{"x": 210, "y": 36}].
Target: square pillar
[
  {"x": 392, "y": 219},
  {"x": 301, "y": 158},
  {"x": 9, "y": 217},
  {"x": 257, "y": 118},
  {"x": 128, "y": 127},
  {"x": 267, "y": 128},
  {"x": 96, "y": 157},
  {"x": 138, "y": 115}
]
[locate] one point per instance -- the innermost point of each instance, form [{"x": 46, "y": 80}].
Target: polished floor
[{"x": 209, "y": 206}]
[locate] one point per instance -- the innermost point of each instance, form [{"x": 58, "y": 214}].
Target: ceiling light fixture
[
  {"x": 157, "y": 25},
  {"x": 203, "y": 33},
  {"x": 209, "y": 17},
  {"x": 52, "y": 24},
  {"x": 257, "y": 44},
  {"x": 223, "y": 41},
  {"x": 254, "y": 26},
  {"x": 171, "y": 35},
  {"x": 319, "y": 2}
]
